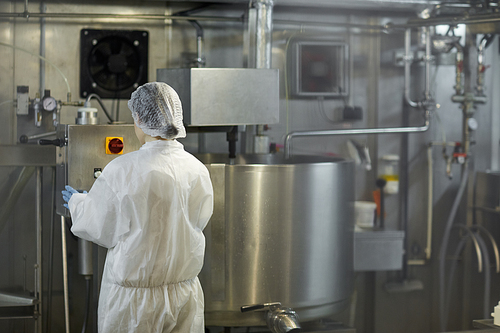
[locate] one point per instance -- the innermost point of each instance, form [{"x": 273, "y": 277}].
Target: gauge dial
[{"x": 49, "y": 103}]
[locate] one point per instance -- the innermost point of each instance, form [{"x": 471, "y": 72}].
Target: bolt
[
  {"x": 136, "y": 85},
  {"x": 136, "y": 42},
  {"x": 94, "y": 41},
  {"x": 85, "y": 32},
  {"x": 94, "y": 85}
]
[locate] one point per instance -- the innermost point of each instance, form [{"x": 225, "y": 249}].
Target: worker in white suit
[{"x": 149, "y": 208}]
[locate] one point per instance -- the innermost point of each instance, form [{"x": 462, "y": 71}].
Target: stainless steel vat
[{"x": 282, "y": 231}]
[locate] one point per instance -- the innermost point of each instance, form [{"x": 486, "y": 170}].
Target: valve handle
[
  {"x": 56, "y": 142},
  {"x": 247, "y": 308}
]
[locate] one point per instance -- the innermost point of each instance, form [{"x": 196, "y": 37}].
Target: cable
[
  {"x": 43, "y": 58},
  {"x": 321, "y": 105},
  {"x": 7, "y": 102}
]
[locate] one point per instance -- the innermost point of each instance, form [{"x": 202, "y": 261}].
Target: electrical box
[
  {"x": 23, "y": 101},
  {"x": 320, "y": 68},
  {"x": 88, "y": 149},
  {"x": 225, "y": 96}
]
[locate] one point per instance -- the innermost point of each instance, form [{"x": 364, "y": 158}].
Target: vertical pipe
[
  {"x": 51, "y": 254},
  {"x": 43, "y": 9},
  {"x": 408, "y": 59},
  {"x": 38, "y": 278},
  {"x": 65, "y": 273},
  {"x": 264, "y": 33},
  {"x": 428, "y": 60},
  {"x": 264, "y": 40}
]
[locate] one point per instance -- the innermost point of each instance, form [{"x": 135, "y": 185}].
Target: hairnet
[{"x": 157, "y": 110}]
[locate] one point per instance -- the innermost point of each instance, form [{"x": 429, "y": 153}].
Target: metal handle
[
  {"x": 56, "y": 142},
  {"x": 254, "y": 307}
]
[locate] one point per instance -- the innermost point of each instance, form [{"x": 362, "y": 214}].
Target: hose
[
  {"x": 487, "y": 277},
  {"x": 444, "y": 243},
  {"x": 44, "y": 59}
]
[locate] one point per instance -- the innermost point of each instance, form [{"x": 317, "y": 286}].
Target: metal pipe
[
  {"x": 65, "y": 272},
  {"x": 264, "y": 33},
  {"x": 123, "y": 16},
  {"x": 51, "y": 254},
  {"x": 39, "y": 248},
  {"x": 333, "y": 24},
  {"x": 428, "y": 60},
  {"x": 433, "y": 21},
  {"x": 480, "y": 67},
  {"x": 356, "y": 131},
  {"x": 408, "y": 59},
  {"x": 42, "y": 135},
  {"x": 43, "y": 9},
  {"x": 430, "y": 202},
  {"x": 459, "y": 66}
]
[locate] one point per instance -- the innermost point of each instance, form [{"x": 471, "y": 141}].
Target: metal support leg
[
  {"x": 38, "y": 266},
  {"x": 65, "y": 273}
]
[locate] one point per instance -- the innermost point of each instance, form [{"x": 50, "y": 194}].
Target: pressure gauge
[
  {"x": 49, "y": 103},
  {"x": 473, "y": 125}
]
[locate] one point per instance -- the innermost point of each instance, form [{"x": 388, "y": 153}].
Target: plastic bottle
[{"x": 390, "y": 172}]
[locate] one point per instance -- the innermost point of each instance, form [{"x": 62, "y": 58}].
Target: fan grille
[{"x": 113, "y": 63}]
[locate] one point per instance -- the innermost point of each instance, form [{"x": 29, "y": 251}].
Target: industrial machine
[{"x": 282, "y": 231}]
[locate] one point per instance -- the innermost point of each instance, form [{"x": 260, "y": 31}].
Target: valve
[
  {"x": 278, "y": 319},
  {"x": 458, "y": 153}
]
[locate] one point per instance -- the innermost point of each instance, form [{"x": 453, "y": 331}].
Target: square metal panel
[{"x": 225, "y": 96}]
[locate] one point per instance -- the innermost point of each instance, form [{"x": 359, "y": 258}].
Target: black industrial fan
[{"x": 112, "y": 62}]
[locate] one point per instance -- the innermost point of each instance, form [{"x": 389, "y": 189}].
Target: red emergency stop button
[{"x": 114, "y": 145}]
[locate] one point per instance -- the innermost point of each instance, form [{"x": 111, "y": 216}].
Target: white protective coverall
[{"x": 149, "y": 208}]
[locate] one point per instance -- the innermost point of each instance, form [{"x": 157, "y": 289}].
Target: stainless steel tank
[{"x": 282, "y": 231}]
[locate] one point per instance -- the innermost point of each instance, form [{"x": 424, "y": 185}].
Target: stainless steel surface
[
  {"x": 225, "y": 96},
  {"x": 39, "y": 249},
  {"x": 85, "y": 152},
  {"x": 27, "y": 155},
  {"x": 290, "y": 136},
  {"x": 87, "y": 116},
  {"x": 264, "y": 33},
  {"x": 8, "y": 300},
  {"x": 378, "y": 250},
  {"x": 85, "y": 257},
  {"x": 284, "y": 233},
  {"x": 8, "y": 203},
  {"x": 339, "y": 68},
  {"x": 65, "y": 273},
  {"x": 283, "y": 320}
]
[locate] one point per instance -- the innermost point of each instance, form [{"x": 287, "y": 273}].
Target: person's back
[{"x": 149, "y": 208}]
